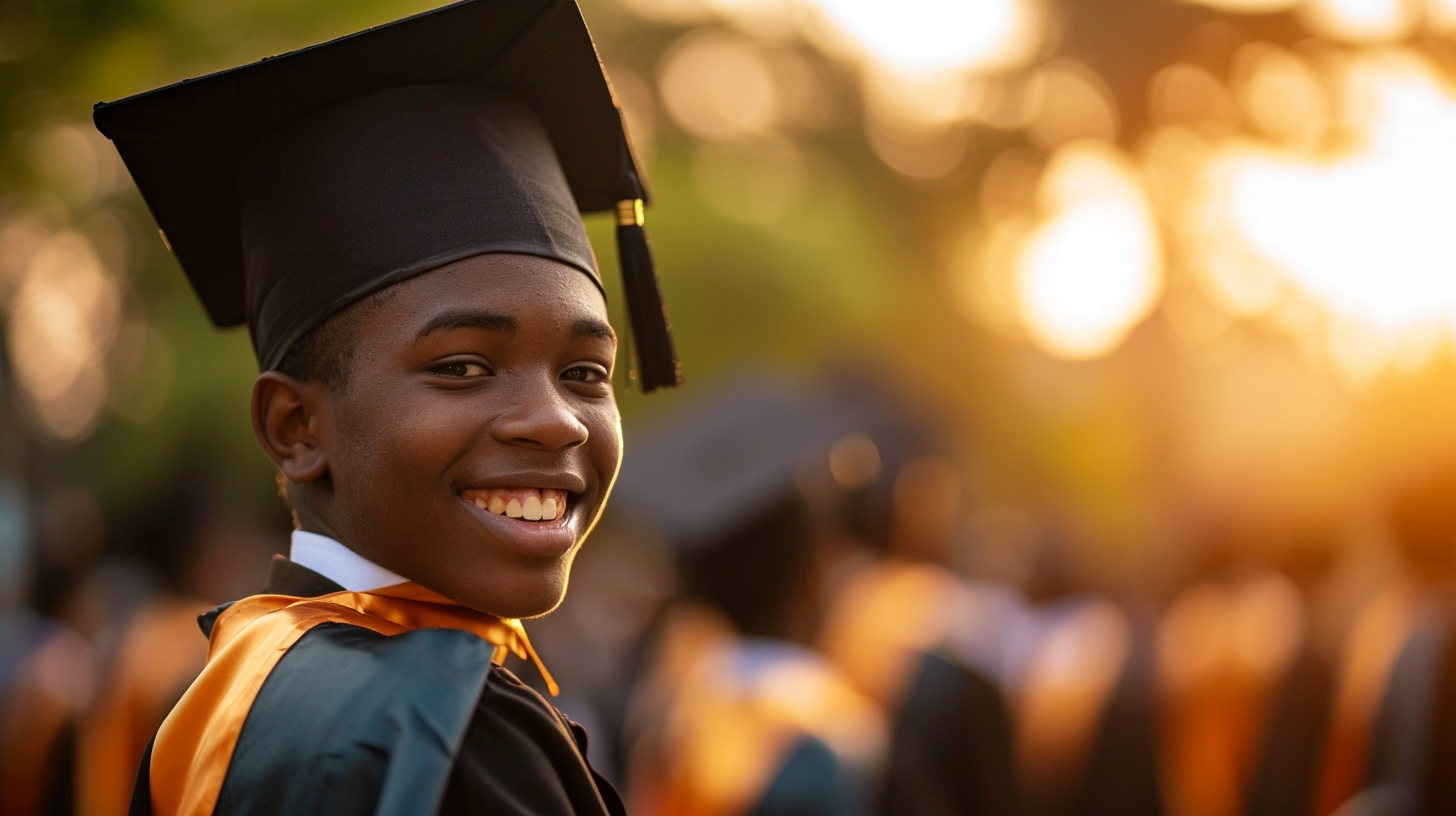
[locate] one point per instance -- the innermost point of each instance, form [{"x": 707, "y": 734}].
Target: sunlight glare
[
  {"x": 938, "y": 35},
  {"x": 1361, "y": 20},
  {"x": 1093, "y": 269},
  {"x": 1248, "y": 6},
  {"x": 1365, "y": 235}
]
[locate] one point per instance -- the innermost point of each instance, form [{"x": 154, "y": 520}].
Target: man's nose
[{"x": 540, "y": 416}]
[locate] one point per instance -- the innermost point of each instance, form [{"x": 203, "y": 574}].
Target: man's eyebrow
[
  {"x": 587, "y": 327},
  {"x": 489, "y": 321}
]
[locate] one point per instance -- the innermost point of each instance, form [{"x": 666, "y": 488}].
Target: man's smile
[
  {"x": 528, "y": 503},
  {"x": 538, "y": 537}
]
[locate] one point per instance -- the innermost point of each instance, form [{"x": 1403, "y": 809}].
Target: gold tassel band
[{"x": 629, "y": 212}]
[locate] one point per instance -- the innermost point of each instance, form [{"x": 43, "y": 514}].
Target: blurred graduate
[
  {"x": 733, "y": 713},
  {"x": 395, "y": 215},
  {"x": 907, "y": 630}
]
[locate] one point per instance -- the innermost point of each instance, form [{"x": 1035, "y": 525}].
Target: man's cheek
[
  {"x": 428, "y": 435},
  {"x": 606, "y": 441},
  {"x": 422, "y": 453}
]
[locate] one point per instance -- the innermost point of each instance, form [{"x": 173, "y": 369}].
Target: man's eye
[
  {"x": 585, "y": 373},
  {"x": 461, "y": 369}
]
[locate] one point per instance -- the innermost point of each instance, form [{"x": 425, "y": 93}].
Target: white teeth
[{"x": 529, "y": 505}]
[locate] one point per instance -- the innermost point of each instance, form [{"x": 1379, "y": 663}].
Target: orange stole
[
  {"x": 195, "y": 743},
  {"x": 1224, "y": 647},
  {"x": 1367, "y": 660},
  {"x": 717, "y": 737}
]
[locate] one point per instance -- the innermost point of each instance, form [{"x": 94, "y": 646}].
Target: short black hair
[{"x": 325, "y": 353}]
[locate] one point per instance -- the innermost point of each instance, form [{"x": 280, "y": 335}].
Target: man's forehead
[{"x": 502, "y": 293}]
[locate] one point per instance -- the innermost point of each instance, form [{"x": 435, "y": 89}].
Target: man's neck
[{"x": 331, "y": 559}]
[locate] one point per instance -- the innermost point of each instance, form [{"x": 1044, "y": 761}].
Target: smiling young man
[
  {"x": 395, "y": 216},
  {"x": 468, "y": 436}
]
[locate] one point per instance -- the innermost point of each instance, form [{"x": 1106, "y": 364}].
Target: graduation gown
[
  {"x": 893, "y": 630},
  {"x": 746, "y": 726},
  {"x": 1085, "y": 715},
  {"x": 950, "y": 746},
  {"x": 320, "y": 701},
  {"x": 1287, "y": 769},
  {"x": 157, "y": 658},
  {"x": 45, "y": 673}
]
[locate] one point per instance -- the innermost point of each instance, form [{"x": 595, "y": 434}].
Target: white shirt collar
[{"x": 338, "y": 563}]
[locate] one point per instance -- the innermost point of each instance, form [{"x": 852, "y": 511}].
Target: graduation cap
[
  {"x": 721, "y": 482},
  {"x": 293, "y": 187},
  {"x": 732, "y": 456}
]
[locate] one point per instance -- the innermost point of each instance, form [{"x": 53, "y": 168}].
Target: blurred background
[{"x": 1070, "y": 383}]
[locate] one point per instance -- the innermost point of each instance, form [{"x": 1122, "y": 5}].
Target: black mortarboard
[
  {"x": 730, "y": 457},
  {"x": 295, "y": 186},
  {"x": 721, "y": 481}
]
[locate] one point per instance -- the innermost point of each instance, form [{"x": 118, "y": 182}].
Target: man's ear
[{"x": 288, "y": 418}]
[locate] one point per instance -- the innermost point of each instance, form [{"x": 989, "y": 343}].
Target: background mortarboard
[
  {"x": 732, "y": 455},
  {"x": 185, "y": 143},
  {"x": 721, "y": 482}
]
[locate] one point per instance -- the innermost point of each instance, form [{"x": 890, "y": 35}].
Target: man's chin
[{"x": 521, "y": 599}]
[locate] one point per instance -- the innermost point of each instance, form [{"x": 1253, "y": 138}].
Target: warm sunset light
[
  {"x": 1249, "y": 6},
  {"x": 63, "y": 317},
  {"x": 1349, "y": 20},
  {"x": 719, "y": 86},
  {"x": 1093, "y": 268},
  {"x": 938, "y": 35},
  {"x": 1362, "y": 20},
  {"x": 1064, "y": 420},
  {"x": 1363, "y": 235}
]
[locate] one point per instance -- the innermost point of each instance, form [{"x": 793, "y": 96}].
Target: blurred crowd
[
  {"x": 794, "y": 606},
  {"x": 98, "y": 631}
]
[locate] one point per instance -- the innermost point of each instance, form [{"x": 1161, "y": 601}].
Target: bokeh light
[
  {"x": 1250, "y": 6},
  {"x": 1093, "y": 268},
  {"x": 922, "y": 71},
  {"x": 1281, "y": 94},
  {"x": 1361, "y": 233},
  {"x": 720, "y": 86},
  {"x": 1190, "y": 96},
  {"x": 77, "y": 161},
  {"x": 929, "y": 36},
  {"x": 1362, "y": 20},
  {"x": 1356, "y": 21},
  {"x": 1072, "y": 103},
  {"x": 63, "y": 318}
]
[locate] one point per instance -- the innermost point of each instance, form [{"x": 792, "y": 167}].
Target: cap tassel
[{"x": 657, "y": 363}]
